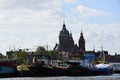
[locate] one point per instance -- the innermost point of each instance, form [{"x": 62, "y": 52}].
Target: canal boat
[
  {"x": 116, "y": 67},
  {"x": 8, "y": 69}
]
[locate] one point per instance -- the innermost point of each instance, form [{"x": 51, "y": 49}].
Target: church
[
  {"x": 66, "y": 42},
  {"x": 66, "y": 45}
]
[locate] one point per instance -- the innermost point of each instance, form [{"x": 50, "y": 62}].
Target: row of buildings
[{"x": 67, "y": 46}]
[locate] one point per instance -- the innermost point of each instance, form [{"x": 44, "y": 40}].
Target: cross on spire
[{"x": 63, "y": 21}]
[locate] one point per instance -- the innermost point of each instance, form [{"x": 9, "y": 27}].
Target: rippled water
[{"x": 112, "y": 77}]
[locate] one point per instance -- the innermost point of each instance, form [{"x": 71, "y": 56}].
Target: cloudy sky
[{"x": 30, "y": 23}]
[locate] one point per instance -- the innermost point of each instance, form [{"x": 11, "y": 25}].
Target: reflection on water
[{"x": 112, "y": 77}]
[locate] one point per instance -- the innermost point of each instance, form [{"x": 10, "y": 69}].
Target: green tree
[
  {"x": 20, "y": 56},
  {"x": 40, "y": 51},
  {"x": 52, "y": 54}
]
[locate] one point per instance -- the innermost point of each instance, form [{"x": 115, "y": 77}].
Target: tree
[
  {"x": 52, "y": 54},
  {"x": 40, "y": 51},
  {"x": 20, "y": 56}
]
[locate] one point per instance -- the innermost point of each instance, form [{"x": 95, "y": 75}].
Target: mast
[{"x": 102, "y": 54}]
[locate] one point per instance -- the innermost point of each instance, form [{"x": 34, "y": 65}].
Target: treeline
[{"x": 21, "y": 55}]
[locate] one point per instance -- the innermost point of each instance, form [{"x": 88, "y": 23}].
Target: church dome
[{"x": 64, "y": 31}]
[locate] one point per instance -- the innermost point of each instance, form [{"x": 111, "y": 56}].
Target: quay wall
[{"x": 66, "y": 78}]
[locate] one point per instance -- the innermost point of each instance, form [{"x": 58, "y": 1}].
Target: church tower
[
  {"x": 65, "y": 40},
  {"x": 82, "y": 43}
]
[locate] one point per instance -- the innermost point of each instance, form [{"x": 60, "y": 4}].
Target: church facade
[{"x": 66, "y": 42}]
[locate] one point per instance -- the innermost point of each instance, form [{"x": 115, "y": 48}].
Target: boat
[
  {"x": 60, "y": 68},
  {"x": 103, "y": 67},
  {"x": 23, "y": 70},
  {"x": 8, "y": 69},
  {"x": 76, "y": 69},
  {"x": 22, "y": 67},
  {"x": 60, "y": 64},
  {"x": 116, "y": 67},
  {"x": 41, "y": 70}
]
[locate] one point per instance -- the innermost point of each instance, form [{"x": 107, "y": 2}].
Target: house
[{"x": 10, "y": 56}]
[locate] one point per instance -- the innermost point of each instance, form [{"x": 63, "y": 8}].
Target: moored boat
[
  {"x": 8, "y": 69},
  {"x": 104, "y": 69},
  {"x": 23, "y": 70},
  {"x": 116, "y": 67},
  {"x": 77, "y": 70}
]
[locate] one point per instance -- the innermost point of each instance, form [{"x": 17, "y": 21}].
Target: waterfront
[{"x": 111, "y": 77}]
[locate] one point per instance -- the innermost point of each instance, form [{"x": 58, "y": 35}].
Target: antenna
[
  {"x": 94, "y": 48},
  {"x": 47, "y": 46}
]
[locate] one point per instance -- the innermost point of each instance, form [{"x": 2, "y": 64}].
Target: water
[{"x": 112, "y": 77}]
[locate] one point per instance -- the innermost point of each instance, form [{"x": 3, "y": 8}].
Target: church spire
[
  {"x": 81, "y": 34},
  {"x": 82, "y": 42}
]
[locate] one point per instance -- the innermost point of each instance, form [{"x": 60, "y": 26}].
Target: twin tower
[{"x": 66, "y": 42}]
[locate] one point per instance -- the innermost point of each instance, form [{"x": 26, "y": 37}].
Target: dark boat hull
[
  {"x": 105, "y": 71},
  {"x": 40, "y": 71},
  {"x": 55, "y": 71}
]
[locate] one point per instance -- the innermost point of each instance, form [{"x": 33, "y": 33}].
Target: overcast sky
[{"x": 30, "y": 23}]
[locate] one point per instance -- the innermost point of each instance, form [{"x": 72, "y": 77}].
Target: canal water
[{"x": 111, "y": 77}]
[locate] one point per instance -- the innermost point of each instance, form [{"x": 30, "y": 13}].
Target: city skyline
[{"x": 27, "y": 24}]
